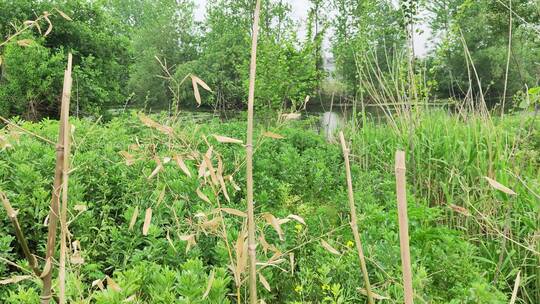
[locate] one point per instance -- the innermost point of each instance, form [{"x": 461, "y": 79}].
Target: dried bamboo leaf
[
  {"x": 134, "y": 218},
  {"x": 158, "y": 168},
  {"x": 274, "y": 222},
  {"x": 196, "y": 91},
  {"x": 130, "y": 299},
  {"x": 224, "y": 188},
  {"x": 375, "y": 296},
  {"x": 264, "y": 282},
  {"x": 211, "y": 225},
  {"x": 209, "y": 285},
  {"x": 202, "y": 169},
  {"x": 147, "y": 221},
  {"x": 291, "y": 116},
  {"x": 234, "y": 212},
  {"x": 64, "y": 15},
  {"x": 50, "y": 26},
  {"x": 231, "y": 180},
  {"x": 98, "y": 283},
  {"x": 460, "y": 209},
  {"x": 264, "y": 243},
  {"x": 329, "y": 248},
  {"x": 80, "y": 208},
  {"x": 25, "y": 42},
  {"x": 77, "y": 258},
  {"x": 190, "y": 239},
  {"x": 241, "y": 254},
  {"x": 211, "y": 170},
  {"x": 147, "y": 121},
  {"x": 15, "y": 279},
  {"x": 283, "y": 221},
  {"x": 297, "y": 218},
  {"x": 180, "y": 162},
  {"x": 202, "y": 196},
  {"x": 291, "y": 261},
  {"x": 227, "y": 140},
  {"x": 130, "y": 160},
  {"x": 273, "y": 135},
  {"x": 201, "y": 83},
  {"x": 113, "y": 285},
  {"x": 495, "y": 184},
  {"x": 306, "y": 100},
  {"x": 47, "y": 268}
]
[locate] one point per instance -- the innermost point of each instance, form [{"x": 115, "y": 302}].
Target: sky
[{"x": 300, "y": 11}]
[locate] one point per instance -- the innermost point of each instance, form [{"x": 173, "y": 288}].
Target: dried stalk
[
  {"x": 354, "y": 224},
  {"x": 516, "y": 288},
  {"x": 12, "y": 214},
  {"x": 57, "y": 184},
  {"x": 249, "y": 162},
  {"x": 403, "y": 227}
]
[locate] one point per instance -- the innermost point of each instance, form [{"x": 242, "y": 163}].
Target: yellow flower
[
  {"x": 298, "y": 288},
  {"x": 298, "y": 228},
  {"x": 350, "y": 244}
]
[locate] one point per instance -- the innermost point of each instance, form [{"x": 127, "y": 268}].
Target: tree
[
  {"x": 92, "y": 35},
  {"x": 482, "y": 27}
]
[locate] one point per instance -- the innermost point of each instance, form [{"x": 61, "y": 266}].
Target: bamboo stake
[
  {"x": 403, "y": 227},
  {"x": 249, "y": 161},
  {"x": 65, "y": 174},
  {"x": 57, "y": 184},
  {"x": 354, "y": 224},
  {"x": 12, "y": 214}
]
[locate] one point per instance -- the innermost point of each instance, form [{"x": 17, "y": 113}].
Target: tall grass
[{"x": 453, "y": 154}]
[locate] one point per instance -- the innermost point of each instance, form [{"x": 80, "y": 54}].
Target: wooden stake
[
  {"x": 249, "y": 161},
  {"x": 354, "y": 224},
  {"x": 57, "y": 184},
  {"x": 65, "y": 174},
  {"x": 403, "y": 227}
]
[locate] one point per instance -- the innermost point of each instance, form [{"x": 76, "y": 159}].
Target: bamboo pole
[
  {"x": 354, "y": 224},
  {"x": 12, "y": 214},
  {"x": 65, "y": 175},
  {"x": 57, "y": 184},
  {"x": 249, "y": 161},
  {"x": 403, "y": 227}
]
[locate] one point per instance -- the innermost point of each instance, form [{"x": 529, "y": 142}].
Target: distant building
[{"x": 329, "y": 65}]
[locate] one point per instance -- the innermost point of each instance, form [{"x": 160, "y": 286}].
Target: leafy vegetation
[{"x": 451, "y": 207}]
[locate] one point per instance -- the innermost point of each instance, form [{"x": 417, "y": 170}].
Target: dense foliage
[
  {"x": 137, "y": 52},
  {"x": 114, "y": 175},
  {"x": 482, "y": 28}
]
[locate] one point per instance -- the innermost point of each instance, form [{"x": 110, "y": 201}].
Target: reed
[
  {"x": 249, "y": 161},
  {"x": 354, "y": 225},
  {"x": 403, "y": 227}
]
